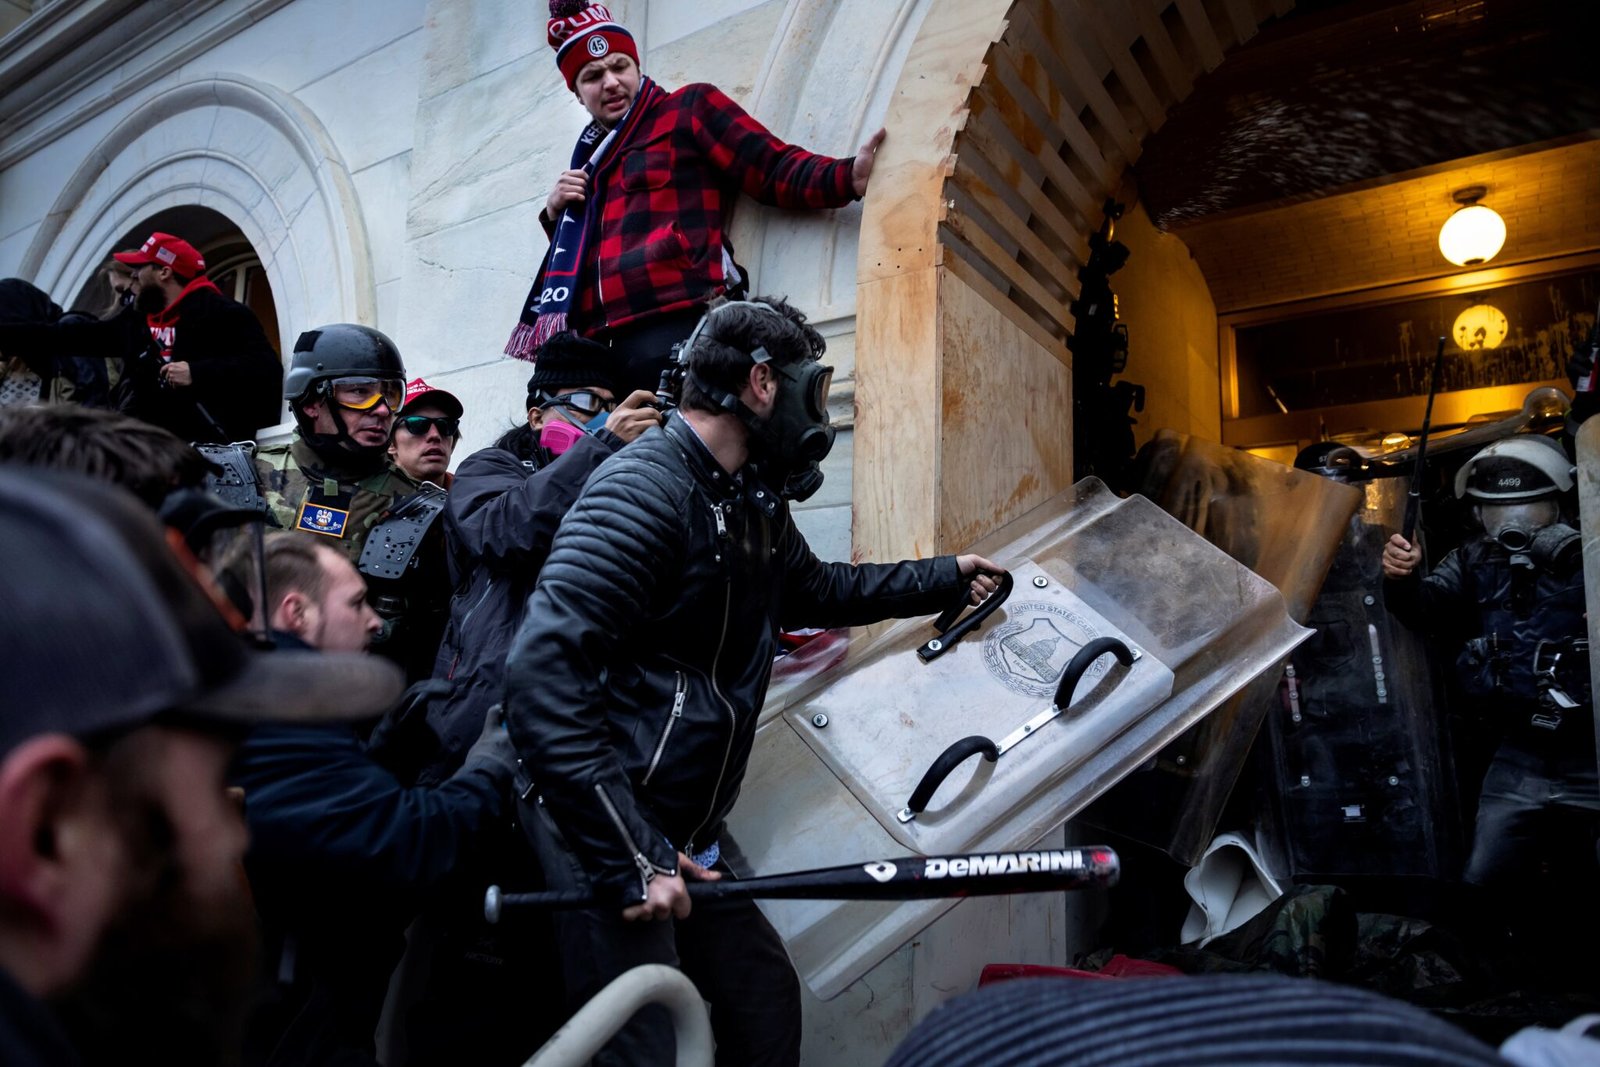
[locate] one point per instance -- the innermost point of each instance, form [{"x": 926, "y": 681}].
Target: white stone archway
[
  {"x": 246, "y": 150},
  {"x": 825, "y": 83}
]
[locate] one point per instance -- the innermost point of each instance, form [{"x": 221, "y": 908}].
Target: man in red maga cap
[
  {"x": 210, "y": 374},
  {"x": 425, "y": 432}
]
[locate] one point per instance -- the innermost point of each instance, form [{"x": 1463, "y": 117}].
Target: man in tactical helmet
[
  {"x": 1514, "y": 596},
  {"x": 344, "y": 384},
  {"x": 335, "y": 479},
  {"x": 634, "y": 683}
]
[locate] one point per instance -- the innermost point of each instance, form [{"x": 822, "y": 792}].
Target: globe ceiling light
[
  {"x": 1474, "y": 233},
  {"x": 1479, "y": 327}
]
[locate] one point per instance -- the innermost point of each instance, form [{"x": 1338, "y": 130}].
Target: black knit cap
[{"x": 568, "y": 361}]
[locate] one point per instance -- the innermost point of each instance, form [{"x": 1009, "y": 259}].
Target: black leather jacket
[{"x": 634, "y": 685}]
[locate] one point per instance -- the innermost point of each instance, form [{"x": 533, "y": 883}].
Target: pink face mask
[{"x": 558, "y": 435}]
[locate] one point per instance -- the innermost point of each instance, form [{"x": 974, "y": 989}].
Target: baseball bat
[{"x": 967, "y": 874}]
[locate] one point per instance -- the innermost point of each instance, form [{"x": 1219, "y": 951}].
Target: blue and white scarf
[{"x": 555, "y": 289}]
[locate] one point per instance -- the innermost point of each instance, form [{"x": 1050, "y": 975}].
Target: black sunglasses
[{"x": 418, "y": 425}]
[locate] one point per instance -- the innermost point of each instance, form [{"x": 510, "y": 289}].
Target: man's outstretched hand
[{"x": 861, "y": 170}]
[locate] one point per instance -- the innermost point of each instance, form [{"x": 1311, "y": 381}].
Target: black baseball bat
[
  {"x": 1414, "y": 496},
  {"x": 966, "y": 874}
]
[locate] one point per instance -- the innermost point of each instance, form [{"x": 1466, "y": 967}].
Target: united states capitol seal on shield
[{"x": 1028, "y": 652}]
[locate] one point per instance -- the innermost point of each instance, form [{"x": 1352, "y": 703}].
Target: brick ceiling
[{"x": 1320, "y": 157}]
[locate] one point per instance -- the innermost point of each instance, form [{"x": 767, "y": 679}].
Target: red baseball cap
[
  {"x": 165, "y": 250},
  {"x": 418, "y": 390}
]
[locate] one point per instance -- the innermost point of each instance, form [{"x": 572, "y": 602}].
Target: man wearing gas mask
[
  {"x": 635, "y": 681},
  {"x": 1515, "y": 596}
]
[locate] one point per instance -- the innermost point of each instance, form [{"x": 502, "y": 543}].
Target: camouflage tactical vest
[{"x": 305, "y": 492}]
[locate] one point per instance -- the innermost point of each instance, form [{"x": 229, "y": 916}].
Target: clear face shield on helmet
[
  {"x": 224, "y": 547},
  {"x": 237, "y": 556}
]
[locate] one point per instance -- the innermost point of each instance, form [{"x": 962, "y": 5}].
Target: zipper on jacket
[
  {"x": 722, "y": 534},
  {"x": 678, "y": 698},
  {"x": 647, "y": 870},
  {"x": 461, "y": 631},
  {"x": 733, "y": 720}
]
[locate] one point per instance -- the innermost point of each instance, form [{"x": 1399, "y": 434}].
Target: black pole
[{"x": 1414, "y": 497}]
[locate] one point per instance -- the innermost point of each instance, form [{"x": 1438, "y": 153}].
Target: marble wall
[{"x": 387, "y": 158}]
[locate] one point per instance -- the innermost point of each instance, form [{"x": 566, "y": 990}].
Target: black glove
[{"x": 493, "y": 750}]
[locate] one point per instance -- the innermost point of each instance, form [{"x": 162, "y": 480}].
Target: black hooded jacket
[
  {"x": 502, "y": 515},
  {"x": 634, "y": 685}
]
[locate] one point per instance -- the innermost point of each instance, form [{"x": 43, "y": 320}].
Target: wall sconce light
[
  {"x": 1474, "y": 233},
  {"x": 1481, "y": 326}
]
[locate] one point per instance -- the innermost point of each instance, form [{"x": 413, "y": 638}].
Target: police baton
[{"x": 1414, "y": 496}]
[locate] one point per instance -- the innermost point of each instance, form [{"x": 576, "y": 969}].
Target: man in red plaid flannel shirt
[{"x": 659, "y": 248}]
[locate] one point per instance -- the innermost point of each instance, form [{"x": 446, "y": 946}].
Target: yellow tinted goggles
[{"x": 364, "y": 394}]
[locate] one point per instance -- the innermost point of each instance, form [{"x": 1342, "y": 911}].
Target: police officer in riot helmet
[
  {"x": 334, "y": 479},
  {"x": 1514, "y": 595}
]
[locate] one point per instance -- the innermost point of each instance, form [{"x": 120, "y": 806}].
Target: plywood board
[
  {"x": 1063, "y": 61},
  {"x": 985, "y": 247},
  {"x": 1201, "y": 32},
  {"x": 1023, "y": 321},
  {"x": 1118, "y": 49},
  {"x": 925, "y": 114},
  {"x": 896, "y": 478},
  {"x": 1178, "y": 73},
  {"x": 1059, "y": 265},
  {"x": 1020, "y": 78},
  {"x": 988, "y": 136},
  {"x": 1006, "y": 428}
]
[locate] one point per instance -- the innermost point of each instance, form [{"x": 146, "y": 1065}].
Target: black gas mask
[
  {"x": 792, "y": 442},
  {"x": 789, "y": 444}
]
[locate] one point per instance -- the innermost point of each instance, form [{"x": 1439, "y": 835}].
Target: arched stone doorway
[
  {"x": 232, "y": 263},
  {"x": 1014, "y": 122},
  {"x": 244, "y": 152}
]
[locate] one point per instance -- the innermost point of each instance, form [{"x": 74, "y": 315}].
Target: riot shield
[
  {"x": 1360, "y": 781},
  {"x": 1282, "y": 523},
  {"x": 836, "y": 764}
]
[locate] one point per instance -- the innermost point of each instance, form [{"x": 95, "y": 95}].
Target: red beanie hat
[{"x": 582, "y": 32}]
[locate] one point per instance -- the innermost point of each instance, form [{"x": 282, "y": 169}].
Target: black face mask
[{"x": 791, "y": 443}]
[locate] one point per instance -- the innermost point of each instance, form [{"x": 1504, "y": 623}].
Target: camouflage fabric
[
  {"x": 1309, "y": 932},
  {"x": 306, "y": 492}
]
